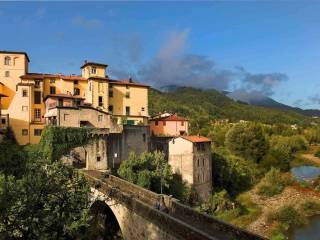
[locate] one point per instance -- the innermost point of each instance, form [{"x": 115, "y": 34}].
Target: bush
[
  {"x": 290, "y": 144},
  {"x": 276, "y": 158},
  {"x": 274, "y": 183},
  {"x": 287, "y": 217},
  {"x": 247, "y": 140},
  {"x": 232, "y": 173},
  {"x": 311, "y": 207},
  {"x": 317, "y": 154}
]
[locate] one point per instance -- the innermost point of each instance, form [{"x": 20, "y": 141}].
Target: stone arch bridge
[{"x": 138, "y": 217}]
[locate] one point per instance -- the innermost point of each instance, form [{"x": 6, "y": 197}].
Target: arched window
[{"x": 7, "y": 60}]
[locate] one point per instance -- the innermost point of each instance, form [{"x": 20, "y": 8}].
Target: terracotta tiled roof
[
  {"x": 127, "y": 82},
  {"x": 196, "y": 139},
  {"x": 14, "y": 52},
  {"x": 63, "y": 96},
  {"x": 173, "y": 117},
  {"x": 94, "y": 63},
  {"x": 48, "y": 75}
]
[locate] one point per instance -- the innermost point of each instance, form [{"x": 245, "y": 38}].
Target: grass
[
  {"x": 274, "y": 183},
  {"x": 246, "y": 212},
  {"x": 299, "y": 161}
]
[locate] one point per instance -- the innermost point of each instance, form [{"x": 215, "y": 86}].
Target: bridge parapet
[{"x": 179, "y": 220}]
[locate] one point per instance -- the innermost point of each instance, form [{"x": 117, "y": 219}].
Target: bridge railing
[{"x": 184, "y": 217}]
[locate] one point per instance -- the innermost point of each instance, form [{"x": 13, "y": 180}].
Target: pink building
[{"x": 169, "y": 125}]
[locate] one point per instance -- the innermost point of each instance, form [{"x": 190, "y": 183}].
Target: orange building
[
  {"x": 31, "y": 97},
  {"x": 169, "y": 125}
]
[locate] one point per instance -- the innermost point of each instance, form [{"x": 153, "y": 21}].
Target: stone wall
[
  {"x": 138, "y": 218},
  {"x": 161, "y": 144},
  {"x": 133, "y": 139}
]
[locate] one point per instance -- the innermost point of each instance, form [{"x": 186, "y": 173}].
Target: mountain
[
  {"x": 258, "y": 99},
  {"x": 203, "y": 105}
]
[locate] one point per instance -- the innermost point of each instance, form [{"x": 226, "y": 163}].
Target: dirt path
[
  {"x": 311, "y": 157},
  {"x": 293, "y": 195}
]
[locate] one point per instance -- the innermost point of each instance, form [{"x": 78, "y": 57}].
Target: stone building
[
  {"x": 190, "y": 156},
  {"x": 30, "y": 95}
]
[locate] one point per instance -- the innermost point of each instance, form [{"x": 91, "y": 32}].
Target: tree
[
  {"x": 149, "y": 170},
  {"x": 247, "y": 140},
  {"x": 48, "y": 202},
  {"x": 231, "y": 172}
]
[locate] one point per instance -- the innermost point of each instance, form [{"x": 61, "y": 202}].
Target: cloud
[
  {"x": 86, "y": 23},
  {"x": 314, "y": 99},
  {"x": 263, "y": 82},
  {"x": 172, "y": 65}
]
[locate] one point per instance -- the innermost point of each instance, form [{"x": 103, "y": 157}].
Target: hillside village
[{"x": 221, "y": 157}]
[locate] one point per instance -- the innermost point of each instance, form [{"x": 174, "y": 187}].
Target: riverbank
[{"x": 294, "y": 196}]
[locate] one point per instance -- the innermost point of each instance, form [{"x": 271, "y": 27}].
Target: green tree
[
  {"x": 149, "y": 170},
  {"x": 247, "y": 140},
  {"x": 231, "y": 172},
  {"x": 48, "y": 202}
]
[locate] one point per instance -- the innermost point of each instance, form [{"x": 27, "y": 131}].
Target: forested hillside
[{"x": 203, "y": 105}]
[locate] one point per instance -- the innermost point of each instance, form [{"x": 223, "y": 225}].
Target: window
[
  {"x": 94, "y": 70},
  {"x": 77, "y": 102},
  {"x": 76, "y": 82},
  {"x": 60, "y": 102},
  {"x": 76, "y": 91},
  {"x": 24, "y": 93},
  {"x": 142, "y": 109},
  {"x": 127, "y": 94},
  {"x": 98, "y": 158},
  {"x": 36, "y": 83},
  {"x": 198, "y": 162},
  {"x": 156, "y": 123},
  {"x": 37, "y": 132},
  {"x": 100, "y": 87},
  {"x": 164, "y": 123},
  {"x": 144, "y": 137},
  {"x": 7, "y": 74},
  {"x": 100, "y": 101},
  {"x": 37, "y": 114},
  {"x": 65, "y": 117},
  {"x": 24, "y": 108},
  {"x": 198, "y": 178},
  {"x": 37, "y": 97},
  {"x": 7, "y": 60},
  {"x": 52, "y": 90},
  {"x": 100, "y": 117},
  {"x": 3, "y": 121},
  {"x": 127, "y": 110},
  {"x": 110, "y": 93},
  {"x": 110, "y": 85},
  {"x": 203, "y": 162},
  {"x": 90, "y": 86},
  {"x": 110, "y": 108},
  {"x": 182, "y": 123},
  {"x": 24, "y": 132},
  {"x": 52, "y": 80}
]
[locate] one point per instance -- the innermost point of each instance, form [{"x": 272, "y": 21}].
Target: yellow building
[{"x": 26, "y": 93}]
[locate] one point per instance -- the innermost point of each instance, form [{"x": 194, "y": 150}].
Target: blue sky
[{"x": 270, "y": 47}]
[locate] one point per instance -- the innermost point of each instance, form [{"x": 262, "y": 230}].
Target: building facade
[
  {"x": 168, "y": 124},
  {"x": 190, "y": 156},
  {"x": 32, "y": 99}
]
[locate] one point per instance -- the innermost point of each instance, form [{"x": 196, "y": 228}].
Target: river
[{"x": 312, "y": 230}]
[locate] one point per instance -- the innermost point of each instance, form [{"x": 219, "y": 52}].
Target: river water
[{"x": 312, "y": 230}]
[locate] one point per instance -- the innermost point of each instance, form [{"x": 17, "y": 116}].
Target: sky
[{"x": 264, "y": 46}]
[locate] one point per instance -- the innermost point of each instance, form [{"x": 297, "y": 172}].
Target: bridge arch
[{"x": 103, "y": 221}]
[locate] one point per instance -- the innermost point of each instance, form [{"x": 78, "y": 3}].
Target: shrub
[
  {"x": 287, "y": 216},
  {"x": 276, "y": 158},
  {"x": 247, "y": 140},
  {"x": 290, "y": 144},
  {"x": 311, "y": 207},
  {"x": 232, "y": 173},
  {"x": 317, "y": 154},
  {"x": 274, "y": 183}
]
